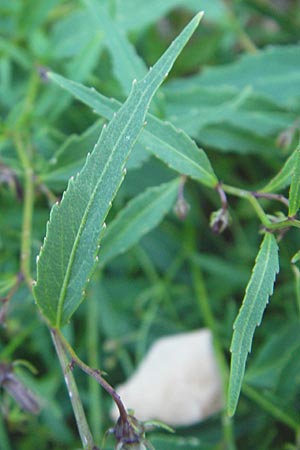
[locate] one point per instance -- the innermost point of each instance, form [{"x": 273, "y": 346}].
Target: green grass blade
[
  {"x": 140, "y": 216},
  {"x": 70, "y": 248},
  {"x": 294, "y": 195},
  {"x": 283, "y": 178},
  {"x": 172, "y": 146},
  {"x": 258, "y": 291}
]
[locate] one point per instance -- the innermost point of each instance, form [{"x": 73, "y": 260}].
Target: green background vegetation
[{"x": 235, "y": 90}]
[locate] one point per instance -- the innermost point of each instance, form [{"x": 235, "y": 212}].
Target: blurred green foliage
[{"x": 235, "y": 90}]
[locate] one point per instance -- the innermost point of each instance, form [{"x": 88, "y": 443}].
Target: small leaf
[
  {"x": 283, "y": 178},
  {"x": 258, "y": 291},
  {"x": 294, "y": 196},
  {"x": 172, "y": 146},
  {"x": 68, "y": 255},
  {"x": 141, "y": 215}
]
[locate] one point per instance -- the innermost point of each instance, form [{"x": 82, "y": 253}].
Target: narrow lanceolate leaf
[
  {"x": 140, "y": 216},
  {"x": 126, "y": 62},
  {"x": 172, "y": 146},
  {"x": 283, "y": 178},
  {"x": 71, "y": 245},
  {"x": 258, "y": 291},
  {"x": 294, "y": 196},
  {"x": 176, "y": 149}
]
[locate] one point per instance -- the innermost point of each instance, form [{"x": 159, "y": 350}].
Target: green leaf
[
  {"x": 241, "y": 106},
  {"x": 176, "y": 149},
  {"x": 272, "y": 359},
  {"x": 273, "y": 72},
  {"x": 138, "y": 14},
  {"x": 70, "y": 249},
  {"x": 200, "y": 106},
  {"x": 283, "y": 178},
  {"x": 274, "y": 405},
  {"x": 140, "y": 215},
  {"x": 70, "y": 157},
  {"x": 258, "y": 291},
  {"x": 126, "y": 62},
  {"x": 294, "y": 195},
  {"x": 172, "y": 146}
]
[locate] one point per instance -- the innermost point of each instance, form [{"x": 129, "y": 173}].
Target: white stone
[{"x": 178, "y": 382}]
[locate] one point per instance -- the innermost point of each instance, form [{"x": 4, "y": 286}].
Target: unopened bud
[
  {"x": 219, "y": 220},
  {"x": 181, "y": 208}
]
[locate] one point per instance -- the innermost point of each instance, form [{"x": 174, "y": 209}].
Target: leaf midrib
[
  {"x": 87, "y": 210},
  {"x": 182, "y": 155},
  {"x": 111, "y": 104},
  {"x": 253, "y": 303}
]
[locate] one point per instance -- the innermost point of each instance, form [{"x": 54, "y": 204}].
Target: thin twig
[
  {"x": 83, "y": 427},
  {"x": 277, "y": 197},
  {"x": 95, "y": 373}
]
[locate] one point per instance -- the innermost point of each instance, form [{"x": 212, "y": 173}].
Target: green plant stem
[
  {"x": 259, "y": 211},
  {"x": 210, "y": 322},
  {"x": 83, "y": 428},
  {"x": 95, "y": 373},
  {"x": 93, "y": 356},
  {"x": 251, "y": 197},
  {"x": 4, "y": 439},
  {"x": 246, "y": 43},
  {"x": 27, "y": 208},
  {"x": 248, "y": 196},
  {"x": 270, "y": 407},
  {"x": 297, "y": 286}
]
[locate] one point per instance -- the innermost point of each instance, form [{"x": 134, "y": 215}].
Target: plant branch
[
  {"x": 83, "y": 428},
  {"x": 222, "y": 195},
  {"x": 278, "y": 197},
  {"x": 251, "y": 196},
  {"x": 95, "y": 373},
  {"x": 27, "y": 208}
]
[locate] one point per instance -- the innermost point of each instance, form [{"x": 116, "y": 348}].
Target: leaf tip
[{"x": 230, "y": 411}]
